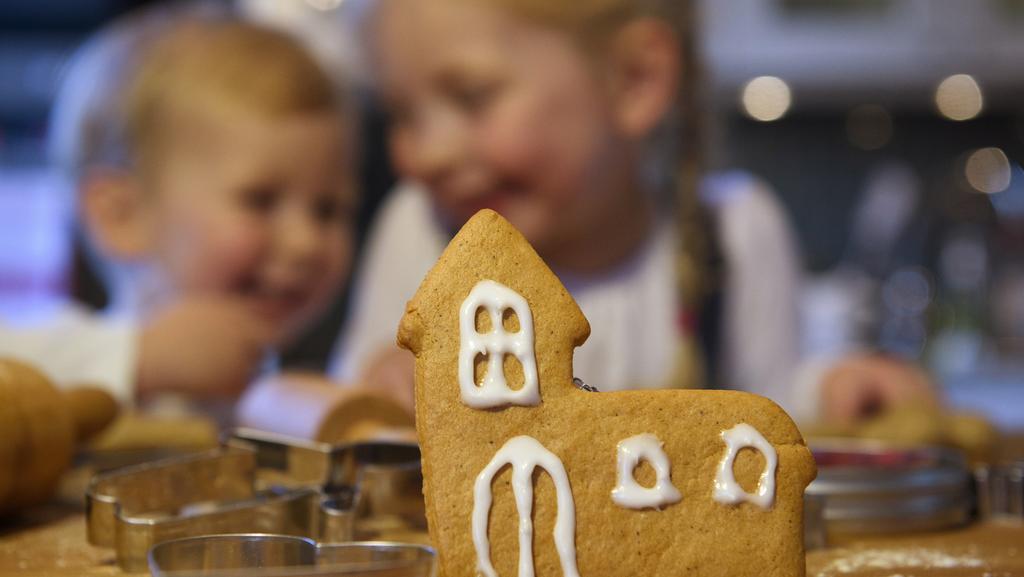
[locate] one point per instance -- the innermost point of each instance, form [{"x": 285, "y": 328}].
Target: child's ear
[
  {"x": 115, "y": 214},
  {"x": 645, "y": 71}
]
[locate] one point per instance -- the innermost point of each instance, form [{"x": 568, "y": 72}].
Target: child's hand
[
  {"x": 861, "y": 386},
  {"x": 391, "y": 372},
  {"x": 206, "y": 348}
]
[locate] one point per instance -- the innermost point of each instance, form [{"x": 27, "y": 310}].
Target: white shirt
[
  {"x": 633, "y": 310},
  {"x": 73, "y": 346}
]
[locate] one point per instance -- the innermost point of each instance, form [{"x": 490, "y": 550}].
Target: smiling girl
[{"x": 574, "y": 120}]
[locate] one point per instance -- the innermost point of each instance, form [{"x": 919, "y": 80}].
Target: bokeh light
[
  {"x": 766, "y": 98},
  {"x": 907, "y": 291},
  {"x": 1009, "y": 204},
  {"x": 958, "y": 97},
  {"x": 963, "y": 262},
  {"x": 988, "y": 170}
]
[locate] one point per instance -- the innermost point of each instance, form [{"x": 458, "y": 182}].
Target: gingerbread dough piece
[
  {"x": 10, "y": 434},
  {"x": 93, "y": 410},
  {"x": 37, "y": 436},
  {"x": 307, "y": 406},
  {"x": 695, "y": 536},
  {"x": 921, "y": 424}
]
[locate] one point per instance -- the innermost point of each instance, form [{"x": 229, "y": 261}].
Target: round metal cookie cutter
[
  {"x": 873, "y": 488},
  {"x": 266, "y": 555}
]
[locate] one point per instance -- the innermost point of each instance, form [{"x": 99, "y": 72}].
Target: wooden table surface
[
  {"x": 50, "y": 542},
  {"x": 994, "y": 549}
]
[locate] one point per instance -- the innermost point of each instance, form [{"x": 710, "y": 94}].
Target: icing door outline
[{"x": 525, "y": 454}]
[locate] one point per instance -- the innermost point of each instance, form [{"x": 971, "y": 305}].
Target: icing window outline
[
  {"x": 727, "y": 491},
  {"x": 628, "y": 493},
  {"x": 494, "y": 391},
  {"x": 524, "y": 454}
]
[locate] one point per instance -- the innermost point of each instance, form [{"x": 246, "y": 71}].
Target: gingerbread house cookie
[{"x": 527, "y": 474}]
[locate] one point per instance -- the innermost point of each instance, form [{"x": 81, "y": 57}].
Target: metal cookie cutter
[
  {"x": 579, "y": 384},
  {"x": 389, "y": 479},
  {"x": 213, "y": 492},
  {"x": 164, "y": 487},
  {"x": 260, "y": 555},
  {"x": 1000, "y": 491},
  {"x": 255, "y": 482},
  {"x": 387, "y": 474},
  {"x": 871, "y": 488}
]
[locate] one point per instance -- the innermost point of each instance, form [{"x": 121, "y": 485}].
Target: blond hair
[
  {"x": 123, "y": 85},
  {"x": 677, "y": 145}
]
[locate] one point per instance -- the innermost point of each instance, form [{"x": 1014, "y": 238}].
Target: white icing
[
  {"x": 727, "y": 490},
  {"x": 627, "y": 492},
  {"x": 524, "y": 454},
  {"x": 494, "y": 391}
]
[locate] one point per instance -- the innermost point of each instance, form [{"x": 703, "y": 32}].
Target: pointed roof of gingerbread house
[{"x": 488, "y": 247}]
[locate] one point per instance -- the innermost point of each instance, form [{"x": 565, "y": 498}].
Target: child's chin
[
  {"x": 290, "y": 327},
  {"x": 286, "y": 332},
  {"x": 285, "y": 321}
]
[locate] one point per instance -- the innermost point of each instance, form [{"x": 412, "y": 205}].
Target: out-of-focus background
[{"x": 892, "y": 130}]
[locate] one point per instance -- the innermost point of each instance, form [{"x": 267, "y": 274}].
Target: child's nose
[
  {"x": 436, "y": 147},
  {"x": 298, "y": 237}
]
